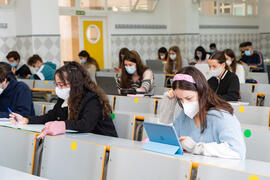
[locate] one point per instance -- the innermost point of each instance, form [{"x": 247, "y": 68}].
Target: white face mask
[
  {"x": 162, "y": 57},
  {"x": 36, "y": 69},
  {"x": 217, "y": 72},
  {"x": 173, "y": 56},
  {"x": 228, "y": 62},
  {"x": 62, "y": 93},
  {"x": 191, "y": 108}
]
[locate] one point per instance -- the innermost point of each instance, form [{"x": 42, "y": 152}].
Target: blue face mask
[
  {"x": 248, "y": 53},
  {"x": 212, "y": 51},
  {"x": 130, "y": 69},
  {"x": 13, "y": 64},
  {"x": 82, "y": 61},
  {"x": 199, "y": 56}
]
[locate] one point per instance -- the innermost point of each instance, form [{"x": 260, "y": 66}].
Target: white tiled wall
[
  {"x": 48, "y": 47},
  {"x": 147, "y": 45}
]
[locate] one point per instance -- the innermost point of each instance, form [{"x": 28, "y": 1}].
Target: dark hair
[
  {"x": 220, "y": 57},
  {"x": 8, "y": 67},
  {"x": 123, "y": 51},
  {"x": 34, "y": 59},
  {"x": 178, "y": 60},
  {"x": 89, "y": 59},
  {"x": 243, "y": 44},
  {"x": 206, "y": 97},
  {"x": 3, "y": 73},
  {"x": 13, "y": 54},
  {"x": 163, "y": 50},
  {"x": 126, "y": 79},
  {"x": 80, "y": 85},
  {"x": 202, "y": 50},
  {"x": 213, "y": 45},
  {"x": 231, "y": 54},
  {"x": 248, "y": 44}
]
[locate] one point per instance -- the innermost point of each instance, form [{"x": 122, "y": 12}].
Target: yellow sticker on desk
[
  {"x": 46, "y": 82},
  {"x": 253, "y": 177},
  {"x": 73, "y": 146},
  {"x": 241, "y": 109},
  {"x": 136, "y": 100}
]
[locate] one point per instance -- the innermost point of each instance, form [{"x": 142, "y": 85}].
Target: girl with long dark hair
[
  {"x": 206, "y": 124},
  {"x": 135, "y": 74},
  {"x": 81, "y": 106}
]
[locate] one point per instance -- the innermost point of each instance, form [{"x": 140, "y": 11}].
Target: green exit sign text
[{"x": 80, "y": 12}]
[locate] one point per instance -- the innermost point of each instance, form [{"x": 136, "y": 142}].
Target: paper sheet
[{"x": 32, "y": 127}]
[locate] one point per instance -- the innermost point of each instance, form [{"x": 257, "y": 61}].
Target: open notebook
[{"x": 33, "y": 127}]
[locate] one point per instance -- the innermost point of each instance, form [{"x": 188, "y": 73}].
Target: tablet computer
[{"x": 163, "y": 134}]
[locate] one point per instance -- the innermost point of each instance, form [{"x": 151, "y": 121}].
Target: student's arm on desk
[
  {"x": 50, "y": 116},
  {"x": 222, "y": 150}
]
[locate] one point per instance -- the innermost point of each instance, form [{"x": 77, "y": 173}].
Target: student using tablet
[
  {"x": 81, "y": 106},
  {"x": 207, "y": 124},
  {"x": 135, "y": 75}
]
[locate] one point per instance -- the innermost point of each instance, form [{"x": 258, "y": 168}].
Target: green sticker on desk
[
  {"x": 247, "y": 133},
  {"x": 113, "y": 116}
]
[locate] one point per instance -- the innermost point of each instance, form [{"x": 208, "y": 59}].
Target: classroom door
[{"x": 93, "y": 40}]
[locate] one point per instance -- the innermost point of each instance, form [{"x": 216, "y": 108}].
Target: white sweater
[{"x": 240, "y": 72}]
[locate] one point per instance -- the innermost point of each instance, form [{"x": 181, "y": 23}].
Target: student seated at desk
[
  {"x": 18, "y": 68},
  {"x": 81, "y": 106},
  {"x": 200, "y": 56},
  {"x": 224, "y": 83},
  {"x": 234, "y": 66},
  {"x": 44, "y": 71},
  {"x": 207, "y": 124},
  {"x": 122, "y": 53},
  {"x": 13, "y": 94},
  {"x": 175, "y": 61},
  {"x": 88, "y": 62},
  {"x": 252, "y": 58},
  {"x": 135, "y": 75}
]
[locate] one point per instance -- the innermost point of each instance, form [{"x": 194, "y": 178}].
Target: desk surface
[
  {"x": 105, "y": 140},
  {"x": 252, "y": 166},
  {"x": 257, "y": 127},
  {"x": 7, "y": 174}
]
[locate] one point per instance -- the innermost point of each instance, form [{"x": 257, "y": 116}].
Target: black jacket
[
  {"x": 90, "y": 117},
  {"x": 227, "y": 87},
  {"x": 18, "y": 97},
  {"x": 23, "y": 71}
]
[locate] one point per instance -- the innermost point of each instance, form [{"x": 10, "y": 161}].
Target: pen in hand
[{"x": 10, "y": 112}]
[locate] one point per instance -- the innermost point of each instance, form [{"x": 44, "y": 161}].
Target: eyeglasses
[{"x": 61, "y": 85}]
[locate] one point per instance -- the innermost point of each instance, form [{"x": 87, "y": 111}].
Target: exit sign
[{"x": 80, "y": 12}]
